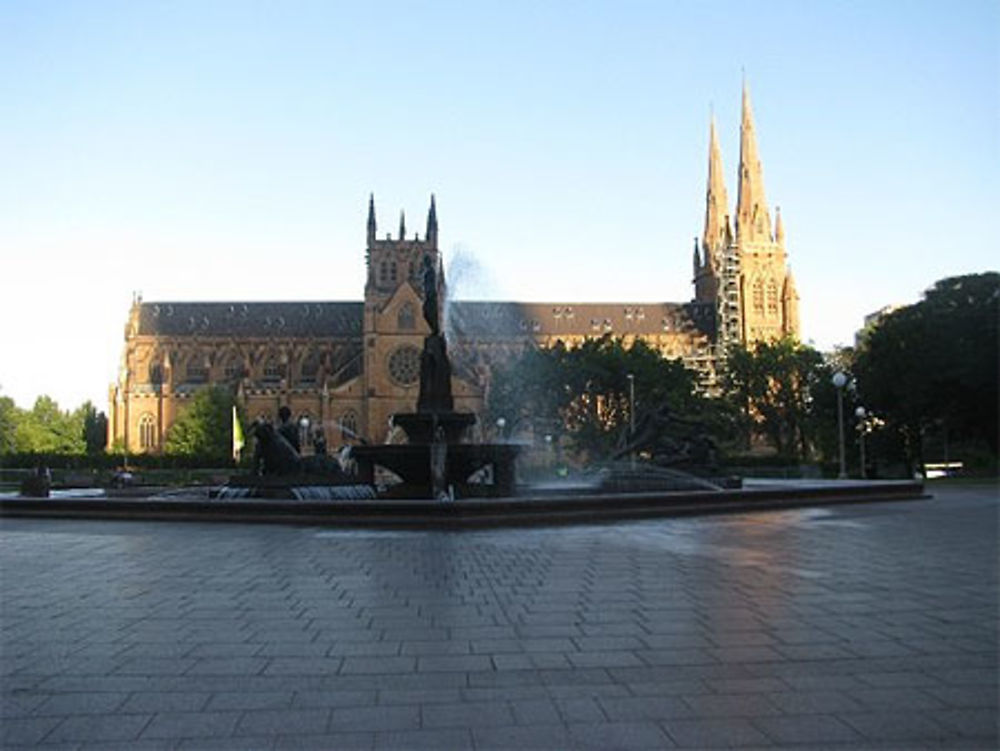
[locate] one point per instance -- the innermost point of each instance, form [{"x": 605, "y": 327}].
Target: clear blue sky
[{"x": 226, "y": 150}]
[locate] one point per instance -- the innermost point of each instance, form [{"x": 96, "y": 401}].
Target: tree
[
  {"x": 934, "y": 364},
  {"x": 584, "y": 392},
  {"x": 95, "y": 428},
  {"x": 205, "y": 427},
  {"x": 45, "y": 429},
  {"x": 8, "y": 424},
  {"x": 771, "y": 386}
]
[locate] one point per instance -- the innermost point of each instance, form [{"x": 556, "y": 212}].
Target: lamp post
[
  {"x": 501, "y": 424},
  {"x": 839, "y": 380},
  {"x": 861, "y": 414},
  {"x": 303, "y": 434},
  {"x": 631, "y": 415}
]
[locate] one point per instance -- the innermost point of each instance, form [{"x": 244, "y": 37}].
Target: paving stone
[
  {"x": 302, "y": 666},
  {"x": 352, "y": 665},
  {"x": 535, "y": 711},
  {"x": 283, "y": 722},
  {"x": 81, "y": 703},
  {"x": 895, "y": 698},
  {"x": 814, "y": 702},
  {"x": 730, "y": 705},
  {"x": 250, "y": 700},
  {"x": 466, "y": 715},
  {"x": 516, "y": 737},
  {"x": 26, "y": 731},
  {"x": 807, "y": 729},
  {"x": 976, "y": 723},
  {"x": 326, "y": 742},
  {"x": 165, "y": 701},
  {"x": 607, "y": 735},
  {"x": 896, "y": 725},
  {"x": 191, "y": 725},
  {"x": 728, "y": 732},
  {"x": 643, "y": 708},
  {"x": 453, "y": 663},
  {"x": 395, "y": 717},
  {"x": 228, "y": 666},
  {"x": 334, "y": 697},
  {"x": 116, "y": 727},
  {"x": 437, "y": 738}
]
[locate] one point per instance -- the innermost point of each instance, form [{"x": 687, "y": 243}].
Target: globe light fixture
[
  {"x": 839, "y": 380},
  {"x": 861, "y": 414}
]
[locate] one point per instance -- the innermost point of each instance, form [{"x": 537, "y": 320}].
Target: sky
[{"x": 226, "y": 151}]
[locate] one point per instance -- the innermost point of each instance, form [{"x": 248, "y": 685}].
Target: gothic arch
[
  {"x": 757, "y": 296},
  {"x": 773, "y": 299},
  {"x": 147, "y": 432}
]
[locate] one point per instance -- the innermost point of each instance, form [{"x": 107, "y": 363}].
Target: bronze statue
[
  {"x": 273, "y": 454},
  {"x": 431, "y": 312}
]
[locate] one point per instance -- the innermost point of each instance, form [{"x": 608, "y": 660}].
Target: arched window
[
  {"x": 309, "y": 368},
  {"x": 156, "y": 373},
  {"x": 392, "y": 272},
  {"x": 272, "y": 368},
  {"x": 348, "y": 426},
  {"x": 197, "y": 368},
  {"x": 147, "y": 432},
  {"x": 772, "y": 298},
  {"x": 383, "y": 272},
  {"x": 758, "y": 297},
  {"x": 233, "y": 367},
  {"x": 406, "y": 320}
]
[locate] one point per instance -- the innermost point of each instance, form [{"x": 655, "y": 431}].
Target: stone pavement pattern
[{"x": 858, "y": 626}]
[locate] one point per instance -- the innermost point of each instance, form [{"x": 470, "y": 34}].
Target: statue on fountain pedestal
[{"x": 435, "y": 370}]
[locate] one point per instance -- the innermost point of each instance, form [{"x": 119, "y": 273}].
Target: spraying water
[{"x": 467, "y": 279}]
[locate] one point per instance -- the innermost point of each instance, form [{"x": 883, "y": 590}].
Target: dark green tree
[
  {"x": 583, "y": 392},
  {"x": 95, "y": 428},
  {"x": 205, "y": 427},
  {"x": 9, "y": 415},
  {"x": 771, "y": 386},
  {"x": 933, "y": 366}
]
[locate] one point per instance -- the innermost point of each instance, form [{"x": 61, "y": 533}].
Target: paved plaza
[{"x": 870, "y": 626}]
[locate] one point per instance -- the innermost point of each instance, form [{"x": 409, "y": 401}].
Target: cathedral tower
[
  {"x": 394, "y": 327},
  {"x": 744, "y": 267}
]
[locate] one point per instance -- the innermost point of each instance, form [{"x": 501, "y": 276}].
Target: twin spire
[
  {"x": 432, "y": 225},
  {"x": 752, "y": 222}
]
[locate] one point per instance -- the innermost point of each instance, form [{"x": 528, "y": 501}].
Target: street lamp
[
  {"x": 303, "y": 434},
  {"x": 631, "y": 415},
  {"x": 501, "y": 424},
  {"x": 839, "y": 380},
  {"x": 861, "y": 414}
]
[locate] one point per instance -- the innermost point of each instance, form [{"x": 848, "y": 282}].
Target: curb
[{"x": 470, "y": 513}]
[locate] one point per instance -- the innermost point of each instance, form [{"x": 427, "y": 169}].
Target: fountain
[{"x": 436, "y": 463}]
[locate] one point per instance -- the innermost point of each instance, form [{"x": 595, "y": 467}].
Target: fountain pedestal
[{"x": 414, "y": 464}]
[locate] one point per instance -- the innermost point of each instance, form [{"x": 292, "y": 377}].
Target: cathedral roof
[
  {"x": 505, "y": 319},
  {"x": 481, "y": 320},
  {"x": 260, "y": 319}
]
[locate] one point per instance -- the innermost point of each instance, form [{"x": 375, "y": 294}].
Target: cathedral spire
[
  {"x": 402, "y": 225},
  {"x": 752, "y": 221},
  {"x": 716, "y": 201},
  {"x": 371, "y": 219},
  {"x": 432, "y": 224}
]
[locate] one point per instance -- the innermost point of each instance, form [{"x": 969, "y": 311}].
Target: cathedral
[{"x": 347, "y": 367}]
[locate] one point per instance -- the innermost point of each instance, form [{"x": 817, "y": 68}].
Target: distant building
[
  {"x": 348, "y": 366},
  {"x": 874, "y": 319}
]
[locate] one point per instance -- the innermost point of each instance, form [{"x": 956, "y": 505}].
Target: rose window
[{"x": 404, "y": 365}]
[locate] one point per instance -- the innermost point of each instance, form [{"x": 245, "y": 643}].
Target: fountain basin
[{"x": 412, "y": 463}]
